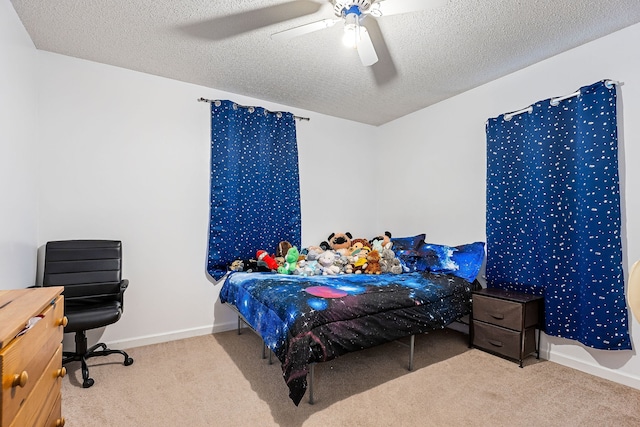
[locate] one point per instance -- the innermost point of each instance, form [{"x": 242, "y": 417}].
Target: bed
[{"x": 308, "y": 320}]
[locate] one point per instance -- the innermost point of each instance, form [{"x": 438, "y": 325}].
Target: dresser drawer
[
  {"x": 503, "y": 341},
  {"x": 507, "y": 314},
  {"x": 55, "y": 416},
  {"x": 26, "y": 358},
  {"x": 45, "y": 393}
]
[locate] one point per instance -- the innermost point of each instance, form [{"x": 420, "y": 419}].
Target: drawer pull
[
  {"x": 498, "y": 316},
  {"x": 20, "y": 379},
  {"x": 495, "y": 343},
  {"x": 63, "y": 322},
  {"x": 60, "y": 422},
  {"x": 60, "y": 373}
]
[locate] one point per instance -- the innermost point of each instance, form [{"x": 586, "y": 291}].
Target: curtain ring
[
  {"x": 251, "y": 109},
  {"x": 235, "y": 106},
  {"x": 279, "y": 114},
  {"x": 217, "y": 103}
]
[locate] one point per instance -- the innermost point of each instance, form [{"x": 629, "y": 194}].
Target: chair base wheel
[{"x": 82, "y": 354}]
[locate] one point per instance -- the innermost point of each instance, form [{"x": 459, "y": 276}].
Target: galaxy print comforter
[{"x": 306, "y": 320}]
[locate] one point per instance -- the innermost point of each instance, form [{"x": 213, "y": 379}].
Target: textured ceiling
[{"x": 425, "y": 56}]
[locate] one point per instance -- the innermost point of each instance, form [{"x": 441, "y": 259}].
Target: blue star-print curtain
[
  {"x": 255, "y": 189},
  {"x": 553, "y": 214}
]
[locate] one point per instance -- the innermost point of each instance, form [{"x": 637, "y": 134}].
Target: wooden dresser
[
  {"x": 505, "y": 322},
  {"x": 31, "y": 363}
]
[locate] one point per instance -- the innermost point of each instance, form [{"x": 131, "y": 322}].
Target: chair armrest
[{"x": 124, "y": 284}]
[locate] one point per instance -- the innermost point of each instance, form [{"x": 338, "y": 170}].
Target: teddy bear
[
  {"x": 305, "y": 268},
  {"x": 389, "y": 263},
  {"x": 326, "y": 263},
  {"x": 310, "y": 265},
  {"x": 290, "y": 261},
  {"x": 373, "y": 263},
  {"x": 344, "y": 264},
  {"x": 337, "y": 241}
]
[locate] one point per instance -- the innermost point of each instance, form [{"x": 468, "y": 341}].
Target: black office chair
[{"x": 91, "y": 273}]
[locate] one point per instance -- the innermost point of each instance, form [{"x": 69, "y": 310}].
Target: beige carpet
[{"x": 221, "y": 380}]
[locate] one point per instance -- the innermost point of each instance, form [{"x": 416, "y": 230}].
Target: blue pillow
[
  {"x": 403, "y": 244},
  {"x": 411, "y": 261},
  {"x": 464, "y": 261}
]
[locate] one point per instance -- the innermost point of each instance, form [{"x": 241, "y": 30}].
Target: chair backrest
[{"x": 84, "y": 267}]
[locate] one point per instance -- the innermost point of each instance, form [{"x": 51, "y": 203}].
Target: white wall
[
  {"x": 447, "y": 145},
  {"x": 18, "y": 151},
  {"x": 125, "y": 155}
]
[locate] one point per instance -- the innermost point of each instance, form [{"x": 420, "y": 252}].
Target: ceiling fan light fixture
[{"x": 351, "y": 36}]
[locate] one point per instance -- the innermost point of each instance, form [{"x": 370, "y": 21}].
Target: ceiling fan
[{"x": 353, "y": 14}]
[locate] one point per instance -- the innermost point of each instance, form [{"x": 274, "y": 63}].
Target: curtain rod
[
  {"x": 555, "y": 101},
  {"x": 250, "y": 108},
  {"x": 509, "y": 116}
]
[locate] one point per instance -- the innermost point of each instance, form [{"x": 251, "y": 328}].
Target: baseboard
[
  {"x": 589, "y": 368},
  {"x": 172, "y": 336}
]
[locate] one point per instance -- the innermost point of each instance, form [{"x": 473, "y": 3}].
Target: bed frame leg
[
  {"x": 239, "y": 325},
  {"x": 264, "y": 350},
  {"x": 311, "y": 372},
  {"x": 412, "y": 346}
]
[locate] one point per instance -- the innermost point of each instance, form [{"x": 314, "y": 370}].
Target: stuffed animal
[
  {"x": 313, "y": 253},
  {"x": 281, "y": 252},
  {"x": 237, "y": 265},
  {"x": 373, "y": 263},
  {"x": 358, "y": 251},
  {"x": 389, "y": 263},
  {"x": 267, "y": 259},
  {"x": 359, "y": 244},
  {"x": 344, "y": 264},
  {"x": 282, "y": 249},
  {"x": 302, "y": 269},
  {"x": 290, "y": 261},
  {"x": 311, "y": 267},
  {"x": 326, "y": 263},
  {"x": 249, "y": 266},
  {"x": 380, "y": 242},
  {"x": 337, "y": 241},
  {"x": 317, "y": 249}
]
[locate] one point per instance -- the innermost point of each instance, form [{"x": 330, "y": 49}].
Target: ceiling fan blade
[
  {"x": 366, "y": 51},
  {"x": 384, "y": 71},
  {"x": 395, "y": 7},
  {"x": 304, "y": 29},
  {"x": 228, "y": 26}
]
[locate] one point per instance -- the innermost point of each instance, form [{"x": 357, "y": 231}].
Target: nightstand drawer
[
  {"x": 504, "y": 322},
  {"x": 497, "y": 339},
  {"x": 507, "y": 314}
]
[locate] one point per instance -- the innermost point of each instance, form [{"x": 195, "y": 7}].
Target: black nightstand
[{"x": 505, "y": 323}]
